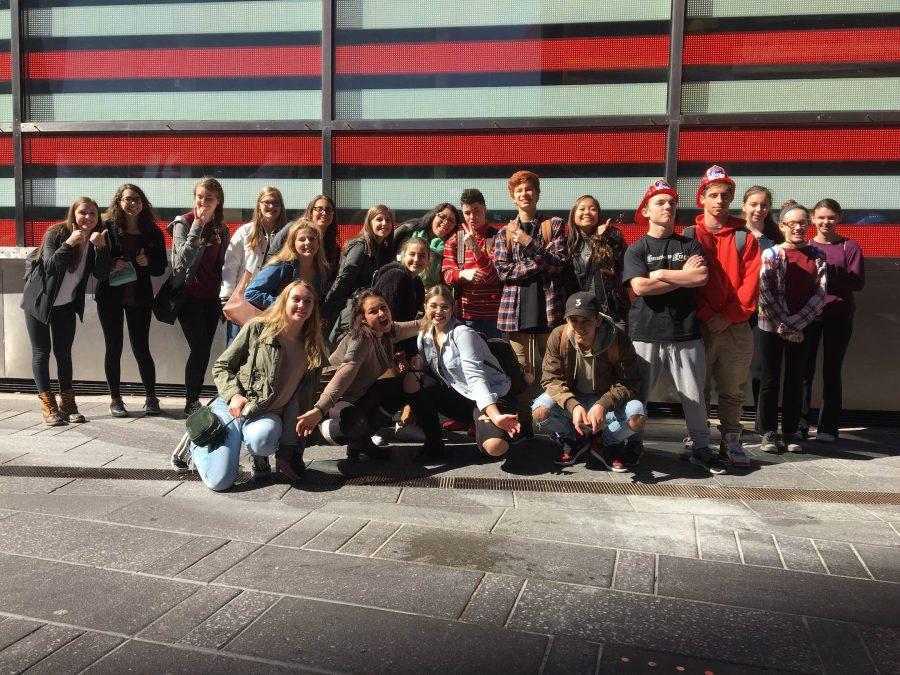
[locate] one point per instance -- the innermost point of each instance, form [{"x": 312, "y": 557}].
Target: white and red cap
[
  {"x": 659, "y": 187},
  {"x": 714, "y": 174}
]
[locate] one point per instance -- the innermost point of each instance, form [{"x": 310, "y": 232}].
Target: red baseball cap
[
  {"x": 659, "y": 187},
  {"x": 714, "y": 174}
]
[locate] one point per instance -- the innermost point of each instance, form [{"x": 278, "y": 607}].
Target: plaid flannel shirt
[
  {"x": 773, "y": 312},
  {"x": 539, "y": 258}
]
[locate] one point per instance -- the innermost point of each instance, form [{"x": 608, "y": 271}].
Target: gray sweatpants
[{"x": 686, "y": 362}]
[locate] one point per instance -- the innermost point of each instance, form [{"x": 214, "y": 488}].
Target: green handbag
[
  {"x": 204, "y": 427},
  {"x": 122, "y": 276}
]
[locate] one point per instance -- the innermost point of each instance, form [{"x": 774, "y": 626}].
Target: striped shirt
[{"x": 477, "y": 300}]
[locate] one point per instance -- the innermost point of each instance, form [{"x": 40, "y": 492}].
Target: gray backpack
[{"x": 740, "y": 237}]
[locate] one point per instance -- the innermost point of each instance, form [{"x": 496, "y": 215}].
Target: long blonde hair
[
  {"x": 65, "y": 228},
  {"x": 256, "y": 224},
  {"x": 369, "y": 235},
  {"x": 439, "y": 290},
  {"x": 274, "y": 321},
  {"x": 288, "y": 252}
]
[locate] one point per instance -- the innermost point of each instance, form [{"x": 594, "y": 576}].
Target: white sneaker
[
  {"x": 379, "y": 441},
  {"x": 822, "y": 437},
  {"x": 731, "y": 450}
]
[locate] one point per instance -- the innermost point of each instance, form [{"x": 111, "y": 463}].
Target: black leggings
[
  {"x": 363, "y": 418},
  {"x": 138, "y": 319},
  {"x": 453, "y": 405},
  {"x": 834, "y": 334},
  {"x": 199, "y": 320},
  {"x": 773, "y": 350},
  {"x": 58, "y": 336}
]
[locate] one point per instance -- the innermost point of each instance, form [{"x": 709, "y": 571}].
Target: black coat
[
  {"x": 154, "y": 245},
  {"x": 608, "y": 290},
  {"x": 45, "y": 278},
  {"x": 403, "y": 290}
]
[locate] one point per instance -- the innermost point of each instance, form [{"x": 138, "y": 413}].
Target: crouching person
[
  {"x": 591, "y": 379},
  {"x": 273, "y": 365},
  {"x": 465, "y": 380},
  {"x": 371, "y": 382}
]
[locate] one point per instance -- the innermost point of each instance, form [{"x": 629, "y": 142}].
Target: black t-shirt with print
[{"x": 670, "y": 317}]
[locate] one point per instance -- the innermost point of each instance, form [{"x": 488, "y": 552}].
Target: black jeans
[
  {"x": 112, "y": 319},
  {"x": 834, "y": 334},
  {"x": 455, "y": 406},
  {"x": 364, "y": 417},
  {"x": 199, "y": 320},
  {"x": 773, "y": 350},
  {"x": 56, "y": 336}
]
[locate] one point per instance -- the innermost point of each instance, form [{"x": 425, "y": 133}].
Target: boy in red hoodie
[{"x": 725, "y": 304}]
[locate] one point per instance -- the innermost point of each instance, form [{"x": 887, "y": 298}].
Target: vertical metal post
[
  {"x": 329, "y": 25},
  {"x": 18, "y": 107},
  {"x": 673, "y": 102}
]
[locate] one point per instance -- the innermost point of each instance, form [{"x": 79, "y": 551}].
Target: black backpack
[{"x": 509, "y": 364}]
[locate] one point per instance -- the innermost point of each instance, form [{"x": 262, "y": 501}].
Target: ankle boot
[
  {"x": 289, "y": 461},
  {"x": 68, "y": 409},
  {"x": 52, "y": 418}
]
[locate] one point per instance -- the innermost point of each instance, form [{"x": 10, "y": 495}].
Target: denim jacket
[
  {"x": 265, "y": 287},
  {"x": 473, "y": 369}
]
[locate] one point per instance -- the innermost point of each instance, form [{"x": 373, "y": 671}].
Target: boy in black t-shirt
[{"x": 663, "y": 268}]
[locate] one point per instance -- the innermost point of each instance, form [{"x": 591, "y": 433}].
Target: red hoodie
[{"x": 732, "y": 288}]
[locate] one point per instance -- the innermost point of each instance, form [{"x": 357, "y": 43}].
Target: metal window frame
[{"x": 673, "y": 119}]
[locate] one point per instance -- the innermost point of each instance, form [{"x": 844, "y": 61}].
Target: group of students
[{"x": 540, "y": 323}]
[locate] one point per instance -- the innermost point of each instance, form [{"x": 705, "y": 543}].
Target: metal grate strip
[{"x": 314, "y": 477}]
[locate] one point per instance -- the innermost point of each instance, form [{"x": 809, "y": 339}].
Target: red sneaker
[{"x": 453, "y": 425}]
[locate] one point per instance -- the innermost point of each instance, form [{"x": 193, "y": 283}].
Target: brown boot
[
  {"x": 68, "y": 410},
  {"x": 289, "y": 461},
  {"x": 52, "y": 418}
]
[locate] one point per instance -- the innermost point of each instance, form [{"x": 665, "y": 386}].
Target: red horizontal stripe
[
  {"x": 793, "y": 46},
  {"x": 5, "y": 66},
  {"x": 568, "y": 54},
  {"x": 7, "y": 232},
  {"x": 607, "y": 147},
  {"x": 789, "y": 145},
  {"x": 6, "y": 149},
  {"x": 175, "y": 150},
  {"x": 167, "y": 63}
]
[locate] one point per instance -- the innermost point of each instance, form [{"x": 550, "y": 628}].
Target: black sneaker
[
  {"x": 526, "y": 434},
  {"x": 151, "y": 406},
  {"x": 117, "y": 408},
  {"x": 570, "y": 450},
  {"x": 191, "y": 407},
  {"x": 609, "y": 456},
  {"x": 431, "y": 451},
  {"x": 261, "y": 468},
  {"x": 368, "y": 448},
  {"x": 634, "y": 450},
  {"x": 179, "y": 464},
  {"x": 704, "y": 457}
]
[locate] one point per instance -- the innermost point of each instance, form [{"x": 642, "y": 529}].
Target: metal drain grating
[{"x": 314, "y": 477}]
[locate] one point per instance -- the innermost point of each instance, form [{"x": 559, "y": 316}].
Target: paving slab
[
  {"x": 502, "y": 555},
  {"x": 800, "y": 554},
  {"x": 133, "y": 657},
  {"x": 839, "y": 646},
  {"x": 425, "y": 589},
  {"x": 652, "y": 532},
  {"x": 840, "y": 558},
  {"x": 13, "y": 630},
  {"x": 75, "y": 506},
  {"x": 887, "y": 512},
  {"x": 313, "y": 496},
  {"x": 437, "y": 497},
  {"x": 76, "y": 655},
  {"x": 624, "y": 659},
  {"x": 218, "y": 561},
  {"x": 35, "y": 646},
  {"x": 223, "y": 517},
  {"x": 666, "y": 624},
  {"x": 571, "y": 656},
  {"x": 883, "y": 645},
  {"x": 251, "y": 490},
  {"x": 336, "y": 535},
  {"x": 357, "y": 639},
  {"x": 127, "y": 487},
  {"x": 581, "y": 502},
  {"x": 882, "y": 561},
  {"x": 188, "y": 614},
  {"x": 304, "y": 530},
  {"x": 808, "y": 510},
  {"x": 229, "y": 620},
  {"x": 371, "y": 538},
  {"x": 86, "y": 542},
  {"x": 717, "y": 507},
  {"x": 635, "y": 572},
  {"x": 780, "y": 590},
  {"x": 21, "y": 485},
  {"x": 475, "y": 518},
  {"x": 192, "y": 551},
  {"x": 716, "y": 542},
  {"x": 493, "y": 600},
  {"x": 758, "y": 548},
  {"x": 852, "y": 532},
  {"x": 85, "y": 596}
]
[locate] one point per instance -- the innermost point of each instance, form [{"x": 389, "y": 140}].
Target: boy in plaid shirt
[{"x": 529, "y": 256}]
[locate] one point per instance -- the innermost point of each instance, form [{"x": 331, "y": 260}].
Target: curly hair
[{"x": 117, "y": 217}]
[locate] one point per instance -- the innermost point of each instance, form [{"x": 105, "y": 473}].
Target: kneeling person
[{"x": 591, "y": 380}]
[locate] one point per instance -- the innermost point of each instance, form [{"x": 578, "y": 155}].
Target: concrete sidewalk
[{"x": 111, "y": 563}]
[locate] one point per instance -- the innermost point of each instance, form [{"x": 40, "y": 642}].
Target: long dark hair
[
  {"x": 357, "y": 320},
  {"x": 117, "y": 217},
  {"x": 426, "y": 220},
  {"x": 601, "y": 251},
  {"x": 329, "y": 236}
]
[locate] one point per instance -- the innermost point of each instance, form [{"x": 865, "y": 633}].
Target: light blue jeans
[
  {"x": 560, "y": 420},
  {"x": 218, "y": 467}
]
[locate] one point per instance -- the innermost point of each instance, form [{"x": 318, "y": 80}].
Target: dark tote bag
[{"x": 168, "y": 301}]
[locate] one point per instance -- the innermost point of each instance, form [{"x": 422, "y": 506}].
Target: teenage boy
[
  {"x": 468, "y": 268},
  {"x": 663, "y": 269},
  {"x": 725, "y": 304},
  {"x": 591, "y": 380},
  {"x": 529, "y": 256}
]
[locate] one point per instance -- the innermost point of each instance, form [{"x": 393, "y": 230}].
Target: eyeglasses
[
  {"x": 132, "y": 200},
  {"x": 270, "y": 202},
  {"x": 322, "y": 209},
  {"x": 794, "y": 223}
]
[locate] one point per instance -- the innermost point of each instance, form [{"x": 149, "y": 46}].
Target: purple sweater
[{"x": 846, "y": 274}]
